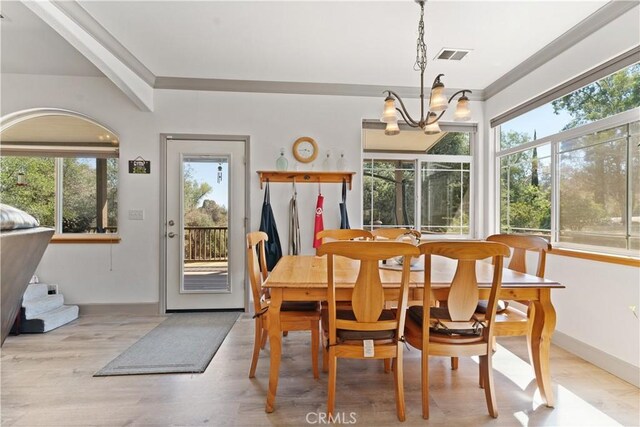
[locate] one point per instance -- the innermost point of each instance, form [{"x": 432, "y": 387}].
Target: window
[
  {"x": 428, "y": 191},
  {"x": 67, "y": 178},
  {"x": 569, "y": 169}
]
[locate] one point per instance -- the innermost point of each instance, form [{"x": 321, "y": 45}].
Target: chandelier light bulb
[
  {"x": 392, "y": 129},
  {"x": 463, "y": 113},
  {"x": 389, "y": 114},
  {"x": 438, "y": 99},
  {"x": 433, "y": 128}
]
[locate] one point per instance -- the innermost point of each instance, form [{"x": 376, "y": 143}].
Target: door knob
[
  {"x": 171, "y": 234},
  {"x": 171, "y": 222}
]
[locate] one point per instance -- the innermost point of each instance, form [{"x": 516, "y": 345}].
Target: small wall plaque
[{"x": 140, "y": 166}]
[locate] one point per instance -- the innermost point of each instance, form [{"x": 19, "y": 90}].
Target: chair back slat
[
  {"x": 368, "y": 295},
  {"x": 255, "y": 243},
  {"x": 521, "y": 243},
  {"x": 344, "y": 234},
  {"x": 463, "y": 296}
]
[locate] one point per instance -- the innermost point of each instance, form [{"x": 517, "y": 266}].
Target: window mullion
[
  {"x": 418, "y": 195},
  {"x": 555, "y": 192},
  {"x": 59, "y": 174},
  {"x": 629, "y": 199}
]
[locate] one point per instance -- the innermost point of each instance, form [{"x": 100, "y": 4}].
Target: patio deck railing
[{"x": 206, "y": 244}]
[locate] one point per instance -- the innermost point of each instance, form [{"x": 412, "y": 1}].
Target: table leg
[
  {"x": 275, "y": 346},
  {"x": 544, "y": 323}
]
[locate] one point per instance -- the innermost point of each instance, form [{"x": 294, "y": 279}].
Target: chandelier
[{"x": 438, "y": 102}]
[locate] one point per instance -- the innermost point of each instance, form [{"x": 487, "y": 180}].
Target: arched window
[{"x": 61, "y": 167}]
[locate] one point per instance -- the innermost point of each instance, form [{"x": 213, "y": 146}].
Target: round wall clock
[{"x": 305, "y": 149}]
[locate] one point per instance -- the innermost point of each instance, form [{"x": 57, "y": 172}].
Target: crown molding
[
  {"x": 297, "y": 88},
  {"x": 580, "y": 31}
]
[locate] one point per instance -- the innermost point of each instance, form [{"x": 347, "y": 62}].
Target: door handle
[{"x": 171, "y": 234}]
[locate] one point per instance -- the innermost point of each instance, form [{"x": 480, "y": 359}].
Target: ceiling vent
[{"x": 452, "y": 54}]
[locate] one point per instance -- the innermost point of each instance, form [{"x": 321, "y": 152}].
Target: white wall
[
  {"x": 86, "y": 273},
  {"x": 594, "y": 307}
]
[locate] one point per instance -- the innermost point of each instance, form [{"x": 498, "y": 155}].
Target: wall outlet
[{"x": 136, "y": 214}]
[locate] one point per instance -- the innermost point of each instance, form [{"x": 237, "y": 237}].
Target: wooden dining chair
[
  {"x": 366, "y": 330},
  {"x": 344, "y": 234},
  {"x": 393, "y": 233},
  {"x": 454, "y": 330},
  {"x": 294, "y": 315},
  {"x": 509, "y": 320},
  {"x": 341, "y": 234}
]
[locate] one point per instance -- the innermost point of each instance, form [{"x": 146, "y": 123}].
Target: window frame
[
  {"x": 418, "y": 159},
  {"x": 554, "y": 142}
]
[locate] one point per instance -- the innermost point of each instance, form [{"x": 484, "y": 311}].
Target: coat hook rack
[{"x": 306, "y": 177}]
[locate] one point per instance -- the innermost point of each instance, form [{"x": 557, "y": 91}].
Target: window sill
[
  {"x": 611, "y": 259},
  {"x": 85, "y": 238}
]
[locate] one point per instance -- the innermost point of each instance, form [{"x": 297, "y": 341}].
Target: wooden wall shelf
[{"x": 306, "y": 177}]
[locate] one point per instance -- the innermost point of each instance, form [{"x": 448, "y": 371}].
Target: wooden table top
[{"x": 309, "y": 271}]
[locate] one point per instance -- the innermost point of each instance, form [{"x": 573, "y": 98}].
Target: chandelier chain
[{"x": 421, "y": 47}]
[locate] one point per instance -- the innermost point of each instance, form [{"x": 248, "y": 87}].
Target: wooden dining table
[{"x": 304, "y": 278}]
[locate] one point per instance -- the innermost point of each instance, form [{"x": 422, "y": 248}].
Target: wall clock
[{"x": 305, "y": 149}]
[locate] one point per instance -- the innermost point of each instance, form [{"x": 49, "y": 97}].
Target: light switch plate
[{"x": 136, "y": 214}]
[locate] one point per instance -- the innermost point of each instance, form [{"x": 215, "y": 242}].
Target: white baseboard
[
  {"x": 141, "y": 309},
  {"x": 621, "y": 369}
]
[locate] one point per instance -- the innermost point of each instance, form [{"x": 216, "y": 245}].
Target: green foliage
[
  {"x": 392, "y": 189},
  {"x": 197, "y": 214},
  {"x": 38, "y": 196},
  {"x": 452, "y": 143},
  {"x": 611, "y": 95},
  {"x": 79, "y": 190}
]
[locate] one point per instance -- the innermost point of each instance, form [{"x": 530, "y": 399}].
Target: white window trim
[
  {"x": 554, "y": 142},
  {"x": 418, "y": 159}
]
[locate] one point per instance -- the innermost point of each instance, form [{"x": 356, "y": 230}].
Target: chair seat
[
  {"x": 460, "y": 334},
  {"x": 299, "y": 306},
  {"x": 350, "y": 335}
]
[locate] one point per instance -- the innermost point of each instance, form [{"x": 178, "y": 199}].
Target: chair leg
[
  {"x": 325, "y": 359},
  {"x": 480, "y": 372},
  {"x": 387, "y": 366},
  {"x": 424, "y": 357},
  {"x": 487, "y": 374},
  {"x": 263, "y": 342},
  {"x": 454, "y": 363},
  {"x": 315, "y": 341},
  {"x": 399, "y": 377},
  {"x": 331, "y": 398},
  {"x": 256, "y": 347}
]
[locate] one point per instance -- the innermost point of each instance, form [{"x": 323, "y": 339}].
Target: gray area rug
[{"x": 184, "y": 343}]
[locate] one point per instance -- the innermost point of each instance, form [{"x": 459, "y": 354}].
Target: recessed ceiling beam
[{"x": 138, "y": 90}]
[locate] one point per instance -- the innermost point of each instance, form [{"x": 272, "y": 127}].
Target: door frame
[{"x": 162, "y": 226}]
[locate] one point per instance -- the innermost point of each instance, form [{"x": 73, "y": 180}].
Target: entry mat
[{"x": 184, "y": 343}]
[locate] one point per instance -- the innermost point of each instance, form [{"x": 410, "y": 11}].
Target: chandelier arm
[
  {"x": 457, "y": 93},
  {"x": 427, "y": 122},
  {"x": 408, "y": 118},
  {"x": 410, "y": 121}
]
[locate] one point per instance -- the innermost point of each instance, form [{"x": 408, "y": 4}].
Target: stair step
[
  {"x": 35, "y": 290},
  {"x": 33, "y": 308},
  {"x": 50, "y": 320}
]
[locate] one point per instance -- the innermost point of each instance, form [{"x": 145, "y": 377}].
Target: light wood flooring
[{"x": 47, "y": 380}]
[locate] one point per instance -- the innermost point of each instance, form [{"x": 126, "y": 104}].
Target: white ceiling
[
  {"x": 364, "y": 42},
  {"x": 29, "y": 46}
]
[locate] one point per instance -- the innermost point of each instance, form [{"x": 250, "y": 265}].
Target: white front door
[{"x": 205, "y": 224}]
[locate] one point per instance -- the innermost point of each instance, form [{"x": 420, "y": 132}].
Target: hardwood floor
[{"x": 47, "y": 380}]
